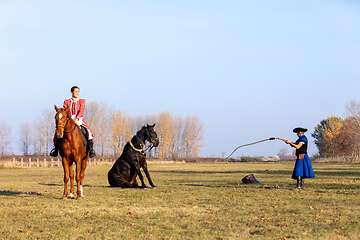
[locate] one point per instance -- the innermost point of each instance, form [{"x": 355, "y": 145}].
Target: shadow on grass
[
  {"x": 225, "y": 172},
  {"x": 348, "y": 189},
  {"x": 62, "y": 185},
  {"x": 9, "y": 193},
  {"x": 51, "y": 184},
  {"x": 338, "y": 172}
]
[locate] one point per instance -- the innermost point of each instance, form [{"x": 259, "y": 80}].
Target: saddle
[{"x": 84, "y": 135}]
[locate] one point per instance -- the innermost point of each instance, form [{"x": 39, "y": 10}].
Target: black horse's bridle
[{"x": 142, "y": 144}]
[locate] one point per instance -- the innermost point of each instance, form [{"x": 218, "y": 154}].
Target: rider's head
[
  {"x": 74, "y": 87},
  {"x": 75, "y": 91}
]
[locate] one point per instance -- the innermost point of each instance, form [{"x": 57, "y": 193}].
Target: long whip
[{"x": 272, "y": 138}]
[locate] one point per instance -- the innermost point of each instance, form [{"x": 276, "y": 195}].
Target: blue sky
[{"x": 249, "y": 69}]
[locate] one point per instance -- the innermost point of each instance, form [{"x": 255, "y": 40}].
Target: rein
[{"x": 272, "y": 138}]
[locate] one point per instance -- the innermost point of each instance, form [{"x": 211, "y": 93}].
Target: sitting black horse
[{"x": 127, "y": 166}]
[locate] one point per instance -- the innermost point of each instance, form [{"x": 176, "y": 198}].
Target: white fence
[{"x": 53, "y": 162}]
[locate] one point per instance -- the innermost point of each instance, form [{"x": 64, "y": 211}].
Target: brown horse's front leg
[
  {"x": 82, "y": 175},
  {"x": 72, "y": 189},
  {"x": 66, "y": 177},
  {"x": 79, "y": 179}
]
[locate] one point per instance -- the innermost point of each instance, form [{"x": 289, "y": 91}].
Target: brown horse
[{"x": 72, "y": 150}]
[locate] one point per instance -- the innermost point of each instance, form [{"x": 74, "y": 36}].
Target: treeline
[
  {"x": 340, "y": 137},
  {"x": 179, "y": 136}
]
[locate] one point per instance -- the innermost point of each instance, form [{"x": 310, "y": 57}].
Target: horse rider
[{"x": 76, "y": 111}]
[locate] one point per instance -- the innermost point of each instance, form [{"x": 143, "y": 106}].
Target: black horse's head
[{"x": 150, "y": 135}]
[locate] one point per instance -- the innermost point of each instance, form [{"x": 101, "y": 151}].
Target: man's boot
[
  {"x": 302, "y": 183},
  {"x": 91, "y": 149},
  {"x": 298, "y": 182},
  {"x": 54, "y": 151}
]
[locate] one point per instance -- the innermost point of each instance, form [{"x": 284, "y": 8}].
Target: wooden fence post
[
  {"x": 37, "y": 162},
  {"x": 58, "y": 162},
  {"x": 29, "y": 162},
  {"x": 44, "y": 162},
  {"x": 22, "y": 162},
  {"x": 52, "y": 162},
  {"x": 14, "y": 163}
]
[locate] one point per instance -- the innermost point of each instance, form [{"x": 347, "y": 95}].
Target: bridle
[
  {"x": 142, "y": 144},
  {"x": 67, "y": 121}
]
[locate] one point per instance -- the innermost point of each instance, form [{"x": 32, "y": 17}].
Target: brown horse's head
[{"x": 61, "y": 119}]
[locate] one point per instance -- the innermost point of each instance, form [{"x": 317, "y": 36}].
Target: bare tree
[
  {"x": 44, "y": 130},
  {"x": 165, "y": 130},
  {"x": 353, "y": 110},
  {"x": 97, "y": 116},
  {"x": 121, "y": 131},
  {"x": 178, "y": 123},
  {"x": 192, "y": 136},
  {"x": 25, "y": 138},
  {"x": 5, "y": 138},
  {"x": 283, "y": 152}
]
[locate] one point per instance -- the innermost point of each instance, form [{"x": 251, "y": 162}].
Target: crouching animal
[{"x": 127, "y": 167}]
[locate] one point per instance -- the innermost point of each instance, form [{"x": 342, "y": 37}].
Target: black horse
[{"x": 127, "y": 166}]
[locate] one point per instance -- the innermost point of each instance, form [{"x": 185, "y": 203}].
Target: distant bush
[
  {"x": 251, "y": 159},
  {"x": 175, "y": 156},
  {"x": 234, "y": 160}
]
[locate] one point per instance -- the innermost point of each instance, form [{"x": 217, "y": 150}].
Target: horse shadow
[{"x": 62, "y": 185}]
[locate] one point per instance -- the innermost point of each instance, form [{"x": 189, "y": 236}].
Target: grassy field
[{"x": 191, "y": 201}]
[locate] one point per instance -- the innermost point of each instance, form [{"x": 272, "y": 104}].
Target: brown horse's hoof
[{"x": 79, "y": 198}]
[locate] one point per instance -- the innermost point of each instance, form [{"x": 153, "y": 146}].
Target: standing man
[
  {"x": 303, "y": 168},
  {"x": 76, "y": 111}
]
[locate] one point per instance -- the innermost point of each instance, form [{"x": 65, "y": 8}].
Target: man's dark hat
[{"x": 299, "y": 129}]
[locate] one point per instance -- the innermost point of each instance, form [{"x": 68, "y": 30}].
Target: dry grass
[{"x": 192, "y": 201}]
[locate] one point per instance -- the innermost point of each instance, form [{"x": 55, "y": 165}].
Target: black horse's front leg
[
  {"x": 137, "y": 169},
  {"x": 144, "y": 167}
]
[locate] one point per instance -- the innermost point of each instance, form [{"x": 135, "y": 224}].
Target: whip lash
[{"x": 272, "y": 138}]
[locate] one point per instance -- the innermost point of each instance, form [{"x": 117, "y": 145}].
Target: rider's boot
[
  {"x": 91, "y": 148},
  {"x": 54, "y": 151}
]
